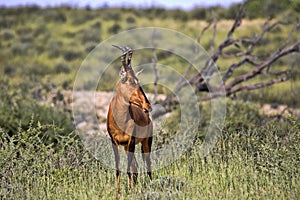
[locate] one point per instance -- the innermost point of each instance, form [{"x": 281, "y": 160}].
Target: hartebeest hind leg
[
  {"x": 117, "y": 165},
  {"x": 146, "y": 150}
]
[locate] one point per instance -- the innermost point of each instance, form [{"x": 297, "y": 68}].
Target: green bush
[
  {"x": 115, "y": 28},
  {"x": 19, "y": 110},
  {"x": 27, "y": 38},
  {"x": 242, "y": 115},
  {"x": 62, "y": 68},
  {"x": 91, "y": 35},
  {"x": 54, "y": 49},
  {"x": 130, "y": 20},
  {"x": 7, "y": 34},
  {"x": 21, "y": 49},
  {"x": 70, "y": 55},
  {"x": 89, "y": 46},
  {"x": 54, "y": 16},
  {"x": 81, "y": 18},
  {"x": 199, "y": 13}
]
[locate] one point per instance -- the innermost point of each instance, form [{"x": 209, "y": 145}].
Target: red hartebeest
[{"x": 128, "y": 119}]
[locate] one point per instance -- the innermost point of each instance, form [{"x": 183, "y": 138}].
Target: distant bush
[
  {"x": 180, "y": 15},
  {"x": 24, "y": 30},
  {"x": 82, "y": 18},
  {"x": 27, "y": 38},
  {"x": 112, "y": 15},
  {"x": 89, "y": 46},
  {"x": 8, "y": 21},
  {"x": 9, "y": 70},
  {"x": 42, "y": 29},
  {"x": 21, "y": 48},
  {"x": 97, "y": 25},
  {"x": 37, "y": 69},
  {"x": 242, "y": 115},
  {"x": 7, "y": 34},
  {"x": 62, "y": 68},
  {"x": 70, "y": 34},
  {"x": 54, "y": 16},
  {"x": 114, "y": 28},
  {"x": 91, "y": 35},
  {"x": 70, "y": 55},
  {"x": 54, "y": 49},
  {"x": 152, "y": 13},
  {"x": 130, "y": 19},
  {"x": 18, "y": 110},
  {"x": 199, "y": 13}
]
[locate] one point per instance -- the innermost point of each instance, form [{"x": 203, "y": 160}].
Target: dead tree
[{"x": 261, "y": 65}]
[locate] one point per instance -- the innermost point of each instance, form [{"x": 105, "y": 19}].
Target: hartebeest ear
[{"x": 139, "y": 72}]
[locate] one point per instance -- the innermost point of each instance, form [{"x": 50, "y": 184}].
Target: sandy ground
[{"x": 89, "y": 109}]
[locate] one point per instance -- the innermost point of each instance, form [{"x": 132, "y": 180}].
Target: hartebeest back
[{"x": 128, "y": 119}]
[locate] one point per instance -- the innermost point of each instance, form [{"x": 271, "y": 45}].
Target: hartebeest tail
[{"x": 128, "y": 119}]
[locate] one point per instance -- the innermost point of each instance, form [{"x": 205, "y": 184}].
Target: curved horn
[
  {"x": 130, "y": 52},
  {"x": 123, "y": 57},
  {"x": 124, "y": 49}
]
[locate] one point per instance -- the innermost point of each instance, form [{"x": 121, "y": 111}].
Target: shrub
[
  {"x": 242, "y": 115},
  {"x": 18, "y": 110},
  {"x": 62, "y": 68},
  {"x": 7, "y": 34},
  {"x": 180, "y": 15},
  {"x": 112, "y": 15},
  {"x": 89, "y": 46},
  {"x": 97, "y": 25},
  {"x": 21, "y": 48},
  {"x": 9, "y": 70},
  {"x": 91, "y": 35},
  {"x": 114, "y": 29},
  {"x": 130, "y": 20},
  {"x": 27, "y": 38},
  {"x": 82, "y": 18},
  {"x": 8, "y": 21},
  {"x": 70, "y": 55},
  {"x": 54, "y": 16},
  {"x": 24, "y": 30},
  {"x": 41, "y": 29},
  {"x": 54, "y": 49},
  {"x": 199, "y": 13}
]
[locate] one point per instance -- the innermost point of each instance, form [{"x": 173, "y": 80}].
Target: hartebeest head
[{"x": 130, "y": 87}]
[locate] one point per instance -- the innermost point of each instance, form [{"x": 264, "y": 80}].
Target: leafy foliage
[
  {"x": 253, "y": 162},
  {"x": 20, "y": 111}
]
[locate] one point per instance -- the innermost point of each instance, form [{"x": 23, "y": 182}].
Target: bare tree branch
[
  {"x": 154, "y": 61},
  {"x": 296, "y": 26},
  {"x": 203, "y": 31},
  {"x": 228, "y": 41},
  {"x": 212, "y": 40},
  {"x": 256, "y": 86},
  {"x": 275, "y": 56},
  {"x": 260, "y": 65}
]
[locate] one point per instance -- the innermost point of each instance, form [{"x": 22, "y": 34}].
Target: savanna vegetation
[{"x": 42, "y": 157}]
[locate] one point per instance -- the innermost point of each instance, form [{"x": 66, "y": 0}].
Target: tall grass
[{"x": 260, "y": 162}]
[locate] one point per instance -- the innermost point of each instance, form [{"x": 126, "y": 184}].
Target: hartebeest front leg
[
  {"x": 131, "y": 148},
  {"x": 117, "y": 165}
]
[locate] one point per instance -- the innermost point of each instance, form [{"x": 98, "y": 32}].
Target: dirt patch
[{"x": 89, "y": 108}]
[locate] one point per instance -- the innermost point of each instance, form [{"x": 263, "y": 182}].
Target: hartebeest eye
[{"x": 133, "y": 82}]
